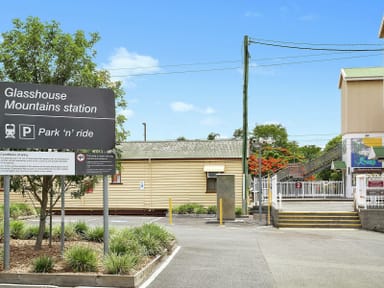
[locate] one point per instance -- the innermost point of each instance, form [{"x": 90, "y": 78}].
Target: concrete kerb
[{"x": 53, "y": 280}]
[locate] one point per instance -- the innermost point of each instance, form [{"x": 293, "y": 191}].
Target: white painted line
[
  {"x": 161, "y": 268},
  {"x": 156, "y": 219}
]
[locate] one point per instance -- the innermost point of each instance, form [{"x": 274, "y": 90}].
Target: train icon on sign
[{"x": 10, "y": 131}]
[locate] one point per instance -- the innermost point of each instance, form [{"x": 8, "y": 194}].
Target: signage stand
[{"x": 55, "y": 117}]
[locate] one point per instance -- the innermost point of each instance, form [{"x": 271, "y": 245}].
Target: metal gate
[{"x": 297, "y": 190}]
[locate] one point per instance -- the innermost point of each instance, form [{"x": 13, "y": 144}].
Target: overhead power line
[
  {"x": 330, "y": 48},
  {"x": 313, "y": 46},
  {"x": 252, "y": 65}
]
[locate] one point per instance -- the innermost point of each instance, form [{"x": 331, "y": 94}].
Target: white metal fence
[
  {"x": 297, "y": 190},
  {"x": 369, "y": 192}
]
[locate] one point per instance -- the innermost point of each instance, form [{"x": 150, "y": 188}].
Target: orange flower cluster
[{"x": 269, "y": 165}]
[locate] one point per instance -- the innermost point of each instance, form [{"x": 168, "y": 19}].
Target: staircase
[
  {"x": 318, "y": 219},
  {"x": 300, "y": 171}
]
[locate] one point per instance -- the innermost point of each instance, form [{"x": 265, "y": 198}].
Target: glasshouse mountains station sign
[{"x": 57, "y": 117}]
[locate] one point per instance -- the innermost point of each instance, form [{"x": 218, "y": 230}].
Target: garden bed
[{"x": 22, "y": 253}]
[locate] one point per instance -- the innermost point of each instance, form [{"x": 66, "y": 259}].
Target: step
[
  {"x": 318, "y": 225},
  {"x": 319, "y": 219}
]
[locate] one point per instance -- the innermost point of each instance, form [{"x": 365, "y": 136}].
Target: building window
[
  {"x": 211, "y": 182},
  {"x": 116, "y": 179}
]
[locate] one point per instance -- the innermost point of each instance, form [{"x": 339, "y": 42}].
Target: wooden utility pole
[{"x": 245, "y": 129}]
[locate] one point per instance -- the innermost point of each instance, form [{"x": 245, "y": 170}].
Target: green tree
[
  {"x": 238, "y": 133},
  {"x": 38, "y": 52},
  {"x": 276, "y": 132},
  {"x": 212, "y": 136},
  {"x": 310, "y": 152},
  {"x": 336, "y": 141}
]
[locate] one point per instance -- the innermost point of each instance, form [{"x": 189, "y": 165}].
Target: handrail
[
  {"x": 302, "y": 170},
  {"x": 323, "y": 161}
]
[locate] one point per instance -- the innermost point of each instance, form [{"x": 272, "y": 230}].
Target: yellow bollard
[
  {"x": 170, "y": 211},
  {"x": 221, "y": 211}
]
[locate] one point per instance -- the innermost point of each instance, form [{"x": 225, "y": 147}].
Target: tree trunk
[{"x": 43, "y": 211}]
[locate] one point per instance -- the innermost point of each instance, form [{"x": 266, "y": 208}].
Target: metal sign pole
[
  {"x": 6, "y": 223},
  {"x": 106, "y": 214},
  {"x": 62, "y": 235}
]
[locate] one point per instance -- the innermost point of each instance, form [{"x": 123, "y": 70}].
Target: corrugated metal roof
[
  {"x": 368, "y": 73},
  {"x": 182, "y": 149}
]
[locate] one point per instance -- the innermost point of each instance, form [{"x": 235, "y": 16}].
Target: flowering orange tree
[{"x": 272, "y": 160}]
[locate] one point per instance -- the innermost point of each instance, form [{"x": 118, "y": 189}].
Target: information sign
[
  {"x": 95, "y": 164},
  {"x": 57, "y": 117},
  {"x": 37, "y": 163}
]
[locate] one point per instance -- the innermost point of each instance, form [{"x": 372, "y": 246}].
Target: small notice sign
[
  {"x": 37, "y": 163},
  {"x": 95, "y": 164}
]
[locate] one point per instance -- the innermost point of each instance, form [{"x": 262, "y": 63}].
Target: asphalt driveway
[{"x": 251, "y": 255}]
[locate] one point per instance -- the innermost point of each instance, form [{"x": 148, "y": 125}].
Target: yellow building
[
  {"x": 362, "y": 125},
  {"x": 153, "y": 172}
]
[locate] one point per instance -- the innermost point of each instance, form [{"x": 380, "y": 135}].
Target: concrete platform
[{"x": 317, "y": 205}]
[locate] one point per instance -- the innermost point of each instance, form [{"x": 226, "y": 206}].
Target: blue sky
[{"x": 181, "y": 62}]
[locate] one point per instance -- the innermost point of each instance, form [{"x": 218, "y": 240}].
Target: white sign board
[{"x": 37, "y": 163}]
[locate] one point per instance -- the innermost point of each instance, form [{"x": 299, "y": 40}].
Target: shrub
[
  {"x": 212, "y": 210},
  {"x": 81, "y": 259},
  {"x": 81, "y": 228},
  {"x": 17, "y": 229},
  {"x": 69, "y": 232},
  {"x": 119, "y": 264},
  {"x": 95, "y": 234},
  {"x": 165, "y": 238},
  {"x": 42, "y": 264},
  {"x": 31, "y": 232},
  {"x": 126, "y": 242},
  {"x": 190, "y": 208},
  {"x": 20, "y": 209},
  {"x": 200, "y": 210},
  {"x": 238, "y": 211},
  {"x": 154, "y": 238}
]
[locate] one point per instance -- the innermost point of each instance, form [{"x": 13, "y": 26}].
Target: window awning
[
  {"x": 338, "y": 165},
  {"x": 376, "y": 153},
  {"x": 213, "y": 168}
]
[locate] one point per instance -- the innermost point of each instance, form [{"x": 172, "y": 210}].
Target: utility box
[{"x": 225, "y": 190}]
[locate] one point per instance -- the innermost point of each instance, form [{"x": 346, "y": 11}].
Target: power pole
[{"x": 245, "y": 129}]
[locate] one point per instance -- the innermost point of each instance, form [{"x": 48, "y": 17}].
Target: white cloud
[
  {"x": 208, "y": 110},
  {"x": 179, "y": 106},
  {"x": 124, "y": 64},
  {"x": 182, "y": 107}
]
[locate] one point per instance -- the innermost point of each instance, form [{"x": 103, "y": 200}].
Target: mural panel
[{"x": 360, "y": 150}]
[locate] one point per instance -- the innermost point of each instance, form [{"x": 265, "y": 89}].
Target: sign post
[{"x": 53, "y": 117}]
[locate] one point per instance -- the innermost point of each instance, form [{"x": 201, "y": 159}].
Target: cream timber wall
[
  {"x": 362, "y": 107},
  {"x": 148, "y": 184}
]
